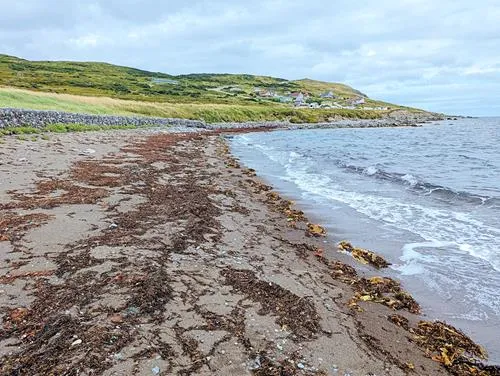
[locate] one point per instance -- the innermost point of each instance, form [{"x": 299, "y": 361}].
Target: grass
[
  {"x": 22, "y": 132},
  {"x": 100, "y": 88},
  {"x": 217, "y": 112},
  {"x": 16, "y": 98},
  {"x": 101, "y": 79},
  {"x": 19, "y": 130}
]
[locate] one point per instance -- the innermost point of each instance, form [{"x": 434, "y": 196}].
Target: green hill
[{"x": 211, "y": 97}]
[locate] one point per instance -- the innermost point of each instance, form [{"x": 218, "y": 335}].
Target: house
[
  {"x": 266, "y": 94},
  {"x": 299, "y": 98},
  {"x": 296, "y": 94},
  {"x": 328, "y": 94},
  {"x": 356, "y": 101},
  {"x": 314, "y": 105}
]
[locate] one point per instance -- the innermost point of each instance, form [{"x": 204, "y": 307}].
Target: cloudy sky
[{"x": 439, "y": 55}]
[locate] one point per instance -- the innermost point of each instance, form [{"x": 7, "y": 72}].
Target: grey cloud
[{"x": 406, "y": 51}]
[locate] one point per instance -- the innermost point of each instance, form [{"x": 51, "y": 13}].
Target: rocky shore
[
  {"x": 10, "y": 117},
  {"x": 13, "y": 117}
]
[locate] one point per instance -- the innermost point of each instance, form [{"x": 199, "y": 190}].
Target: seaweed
[
  {"x": 315, "y": 230},
  {"x": 364, "y": 256},
  {"x": 399, "y": 320},
  {"x": 13, "y": 225},
  {"x": 383, "y": 290},
  {"x": 55, "y": 192},
  {"x": 265, "y": 366},
  {"x": 298, "y": 314},
  {"x": 452, "y": 348}
]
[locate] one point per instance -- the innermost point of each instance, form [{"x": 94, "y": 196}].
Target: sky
[{"x": 440, "y": 55}]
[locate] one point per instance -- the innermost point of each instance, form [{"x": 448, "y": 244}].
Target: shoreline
[
  {"x": 158, "y": 252},
  {"x": 278, "y": 159},
  {"x": 39, "y": 119}
]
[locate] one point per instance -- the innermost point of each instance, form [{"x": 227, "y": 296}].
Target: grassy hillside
[
  {"x": 216, "y": 112},
  {"x": 109, "y": 89}
]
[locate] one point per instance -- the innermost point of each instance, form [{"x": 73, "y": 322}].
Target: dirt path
[{"x": 131, "y": 254}]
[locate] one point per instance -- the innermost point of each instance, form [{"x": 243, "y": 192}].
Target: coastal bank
[{"x": 37, "y": 119}]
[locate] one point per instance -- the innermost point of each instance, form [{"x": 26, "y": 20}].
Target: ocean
[{"x": 426, "y": 198}]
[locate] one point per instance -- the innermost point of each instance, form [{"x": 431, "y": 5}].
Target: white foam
[
  {"x": 409, "y": 178},
  {"x": 442, "y": 260},
  {"x": 434, "y": 225},
  {"x": 414, "y": 261},
  {"x": 371, "y": 170}
]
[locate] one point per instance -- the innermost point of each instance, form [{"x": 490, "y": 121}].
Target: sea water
[{"x": 426, "y": 198}]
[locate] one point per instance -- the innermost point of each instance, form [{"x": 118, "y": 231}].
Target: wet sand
[{"x": 133, "y": 253}]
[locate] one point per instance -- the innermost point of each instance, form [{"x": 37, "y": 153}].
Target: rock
[
  {"x": 76, "y": 342},
  {"x": 87, "y": 152},
  {"x": 118, "y": 356},
  {"x": 133, "y": 311},
  {"x": 13, "y": 117},
  {"x": 301, "y": 366},
  {"x": 155, "y": 370},
  {"x": 116, "y": 319},
  {"x": 254, "y": 363}
]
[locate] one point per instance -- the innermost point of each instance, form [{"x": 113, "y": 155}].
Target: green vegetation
[
  {"x": 100, "y": 88},
  {"x": 21, "y": 132},
  {"x": 208, "y": 112}
]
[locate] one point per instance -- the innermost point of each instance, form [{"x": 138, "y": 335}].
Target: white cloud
[{"x": 407, "y": 51}]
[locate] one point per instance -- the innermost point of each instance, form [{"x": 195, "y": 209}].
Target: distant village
[{"x": 327, "y": 99}]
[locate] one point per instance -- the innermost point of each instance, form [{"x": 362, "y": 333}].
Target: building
[
  {"x": 356, "y": 101},
  {"x": 299, "y": 99},
  {"x": 267, "y": 94}
]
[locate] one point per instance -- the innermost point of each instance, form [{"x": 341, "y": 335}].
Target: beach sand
[{"x": 140, "y": 253}]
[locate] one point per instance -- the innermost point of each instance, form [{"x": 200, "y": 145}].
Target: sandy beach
[{"x": 143, "y": 253}]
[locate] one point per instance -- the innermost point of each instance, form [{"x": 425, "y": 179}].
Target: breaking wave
[{"x": 421, "y": 186}]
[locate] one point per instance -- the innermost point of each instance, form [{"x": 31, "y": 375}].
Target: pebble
[
  {"x": 87, "y": 152},
  {"x": 254, "y": 364},
  {"x": 116, "y": 319},
  {"x": 301, "y": 366},
  {"x": 155, "y": 370},
  {"x": 118, "y": 356},
  {"x": 77, "y": 342}
]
